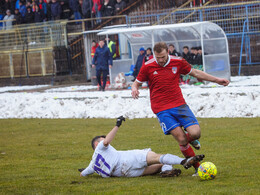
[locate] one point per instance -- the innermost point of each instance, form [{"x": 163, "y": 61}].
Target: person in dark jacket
[
  {"x": 148, "y": 55},
  {"x": 86, "y": 11},
  {"x": 186, "y": 54},
  {"x": 29, "y": 16},
  {"x": 39, "y": 15},
  {"x": 194, "y": 56},
  {"x": 7, "y": 6},
  {"x": 66, "y": 12},
  {"x": 103, "y": 60},
  {"x": 18, "y": 17},
  {"x": 12, "y": 4},
  {"x": 119, "y": 6},
  {"x": 139, "y": 62},
  {"x": 55, "y": 10},
  {"x": 172, "y": 51},
  {"x": 200, "y": 62},
  {"x": 74, "y": 6},
  {"x": 48, "y": 5},
  {"x": 86, "y": 8},
  {"x": 108, "y": 8}
]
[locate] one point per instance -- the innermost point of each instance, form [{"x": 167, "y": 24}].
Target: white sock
[
  {"x": 166, "y": 168},
  {"x": 170, "y": 159}
]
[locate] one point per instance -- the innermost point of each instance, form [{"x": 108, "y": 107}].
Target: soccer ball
[{"x": 207, "y": 171}]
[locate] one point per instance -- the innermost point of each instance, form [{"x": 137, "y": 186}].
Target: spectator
[
  {"x": 194, "y": 56},
  {"x": 196, "y": 2},
  {"x": 28, "y": 4},
  {"x": 55, "y": 10},
  {"x": 113, "y": 2},
  {"x": 48, "y": 5},
  {"x": 96, "y": 9},
  {"x": 7, "y": 6},
  {"x": 93, "y": 48},
  {"x": 12, "y": 4},
  {"x": 22, "y": 9},
  {"x": 34, "y": 4},
  {"x": 186, "y": 54},
  {"x": 75, "y": 7},
  {"x": 148, "y": 55},
  {"x": 172, "y": 51},
  {"x": 2, "y": 4},
  {"x": 1, "y": 18},
  {"x": 102, "y": 61},
  {"x": 17, "y": 4},
  {"x": 222, "y": 1},
  {"x": 39, "y": 15},
  {"x": 139, "y": 62},
  {"x": 86, "y": 11},
  {"x": 9, "y": 20},
  {"x": 66, "y": 12},
  {"x": 119, "y": 6},
  {"x": 29, "y": 16},
  {"x": 111, "y": 47},
  {"x": 200, "y": 56},
  {"x": 43, "y": 6},
  {"x": 86, "y": 8},
  {"x": 117, "y": 48},
  {"x": 108, "y": 8},
  {"x": 18, "y": 17}
]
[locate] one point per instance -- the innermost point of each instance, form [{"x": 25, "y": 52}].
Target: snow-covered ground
[{"x": 240, "y": 99}]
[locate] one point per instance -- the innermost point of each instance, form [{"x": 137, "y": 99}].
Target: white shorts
[{"x": 132, "y": 163}]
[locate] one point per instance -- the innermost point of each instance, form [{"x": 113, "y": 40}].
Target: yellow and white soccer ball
[{"x": 207, "y": 171}]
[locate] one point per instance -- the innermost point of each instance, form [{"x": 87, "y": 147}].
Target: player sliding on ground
[{"x": 109, "y": 162}]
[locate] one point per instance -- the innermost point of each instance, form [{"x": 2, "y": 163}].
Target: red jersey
[{"x": 165, "y": 92}]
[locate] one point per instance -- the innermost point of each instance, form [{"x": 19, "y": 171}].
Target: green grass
[{"x": 41, "y": 156}]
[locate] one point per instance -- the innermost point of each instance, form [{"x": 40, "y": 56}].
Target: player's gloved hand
[
  {"x": 80, "y": 170},
  {"x": 119, "y": 121}
]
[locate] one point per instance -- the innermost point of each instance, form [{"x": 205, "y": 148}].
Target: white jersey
[
  {"x": 107, "y": 162},
  {"x": 104, "y": 161}
]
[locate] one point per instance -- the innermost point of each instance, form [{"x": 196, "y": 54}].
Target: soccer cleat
[
  {"x": 196, "y": 173},
  {"x": 195, "y": 144},
  {"x": 171, "y": 173},
  {"x": 188, "y": 162}
]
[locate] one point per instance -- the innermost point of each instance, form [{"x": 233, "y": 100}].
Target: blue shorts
[{"x": 180, "y": 116}]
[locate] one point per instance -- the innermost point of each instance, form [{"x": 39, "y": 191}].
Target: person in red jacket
[
  {"x": 93, "y": 48},
  {"x": 96, "y": 9}
]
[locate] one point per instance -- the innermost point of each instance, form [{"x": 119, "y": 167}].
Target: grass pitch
[{"x": 41, "y": 156}]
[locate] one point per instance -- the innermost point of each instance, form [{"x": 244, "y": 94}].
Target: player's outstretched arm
[
  {"x": 110, "y": 136},
  {"x": 135, "y": 91},
  {"x": 207, "y": 77},
  {"x": 88, "y": 171}
]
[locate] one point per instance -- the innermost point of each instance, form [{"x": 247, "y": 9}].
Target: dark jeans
[{"x": 98, "y": 74}]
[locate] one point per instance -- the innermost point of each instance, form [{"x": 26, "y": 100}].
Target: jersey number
[{"x": 98, "y": 165}]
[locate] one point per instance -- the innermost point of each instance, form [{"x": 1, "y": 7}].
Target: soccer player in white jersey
[{"x": 109, "y": 162}]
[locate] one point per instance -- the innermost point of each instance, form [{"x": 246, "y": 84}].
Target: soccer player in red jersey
[{"x": 167, "y": 102}]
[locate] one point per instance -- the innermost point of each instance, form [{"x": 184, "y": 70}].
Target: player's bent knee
[{"x": 194, "y": 131}]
